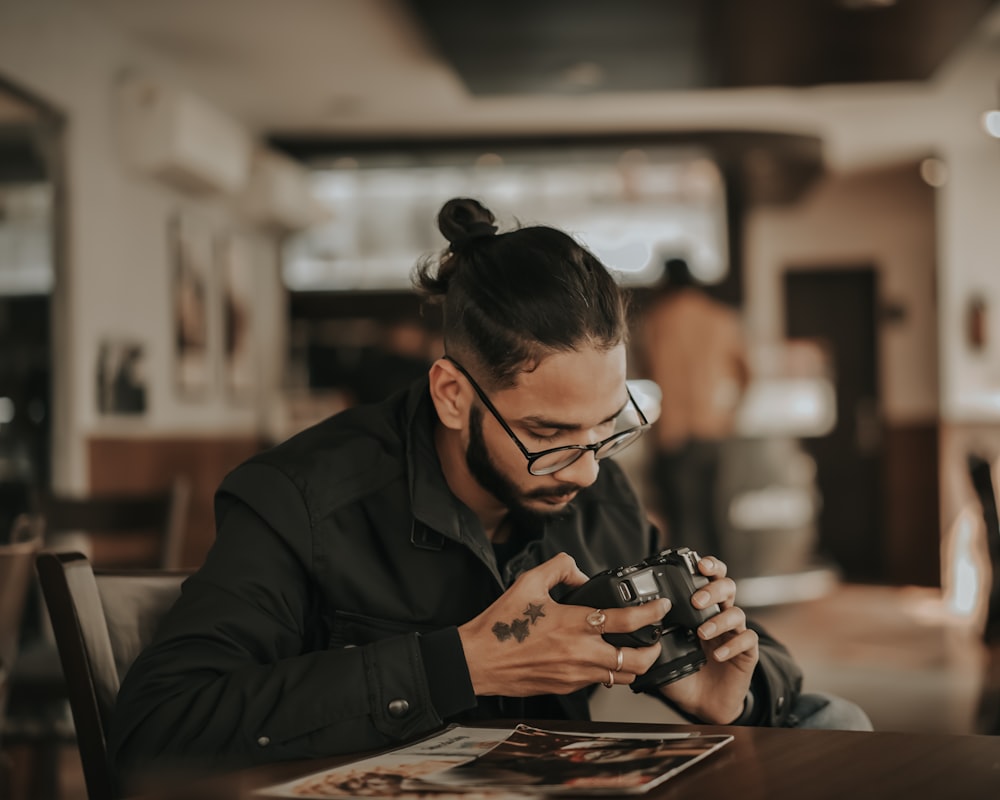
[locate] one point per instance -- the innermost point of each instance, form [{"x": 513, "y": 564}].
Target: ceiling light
[
  {"x": 633, "y": 157},
  {"x": 934, "y": 172},
  {"x": 489, "y": 160},
  {"x": 991, "y": 123},
  {"x": 345, "y": 105}
]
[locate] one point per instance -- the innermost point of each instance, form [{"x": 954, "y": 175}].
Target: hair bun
[
  {"x": 463, "y": 220},
  {"x": 477, "y": 230}
]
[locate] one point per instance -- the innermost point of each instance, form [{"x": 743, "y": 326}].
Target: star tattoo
[
  {"x": 502, "y": 631},
  {"x": 519, "y": 629},
  {"x": 533, "y": 612}
]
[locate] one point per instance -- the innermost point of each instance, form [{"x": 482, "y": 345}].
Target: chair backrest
[
  {"x": 101, "y": 621},
  {"x": 982, "y": 481},
  {"x": 163, "y": 514}
]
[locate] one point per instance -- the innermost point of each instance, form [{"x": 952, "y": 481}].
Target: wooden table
[{"x": 759, "y": 764}]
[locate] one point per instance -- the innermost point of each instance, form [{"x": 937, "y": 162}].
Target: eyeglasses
[{"x": 545, "y": 462}]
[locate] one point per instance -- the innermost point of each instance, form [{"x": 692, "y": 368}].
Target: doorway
[
  {"x": 30, "y": 208},
  {"x": 837, "y": 307}
]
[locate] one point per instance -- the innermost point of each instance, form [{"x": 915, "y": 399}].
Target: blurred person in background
[{"x": 694, "y": 351}]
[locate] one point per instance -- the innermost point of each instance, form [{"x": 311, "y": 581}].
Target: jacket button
[
  {"x": 399, "y": 708},
  {"x": 263, "y": 741}
]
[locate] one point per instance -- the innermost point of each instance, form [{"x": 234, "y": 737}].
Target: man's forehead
[{"x": 578, "y": 389}]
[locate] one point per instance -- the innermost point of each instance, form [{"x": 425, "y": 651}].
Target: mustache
[{"x": 563, "y": 490}]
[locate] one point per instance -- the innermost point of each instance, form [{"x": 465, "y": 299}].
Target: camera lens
[{"x": 680, "y": 655}]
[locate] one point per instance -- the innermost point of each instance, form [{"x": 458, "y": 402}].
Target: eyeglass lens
[{"x": 560, "y": 459}]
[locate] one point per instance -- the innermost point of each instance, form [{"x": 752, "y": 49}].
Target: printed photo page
[
  {"x": 537, "y": 761},
  {"x": 503, "y": 763}
]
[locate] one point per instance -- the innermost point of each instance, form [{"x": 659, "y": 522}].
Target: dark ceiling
[{"x": 578, "y": 46}]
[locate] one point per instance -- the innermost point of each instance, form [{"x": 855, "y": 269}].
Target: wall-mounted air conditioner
[
  {"x": 279, "y": 194},
  {"x": 177, "y": 137}
]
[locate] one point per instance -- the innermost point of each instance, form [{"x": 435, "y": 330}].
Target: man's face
[
  {"x": 498, "y": 484},
  {"x": 570, "y": 398}
]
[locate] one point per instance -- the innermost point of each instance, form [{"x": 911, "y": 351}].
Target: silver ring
[
  {"x": 621, "y": 659},
  {"x": 610, "y": 681}
]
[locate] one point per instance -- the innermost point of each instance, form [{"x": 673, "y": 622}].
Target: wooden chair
[
  {"x": 101, "y": 622},
  {"x": 132, "y": 531},
  {"x": 160, "y": 517},
  {"x": 981, "y": 475},
  {"x": 988, "y": 712}
]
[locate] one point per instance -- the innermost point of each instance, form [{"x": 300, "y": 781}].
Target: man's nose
[{"x": 582, "y": 472}]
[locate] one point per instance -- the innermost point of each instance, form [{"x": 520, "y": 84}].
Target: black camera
[{"x": 672, "y": 574}]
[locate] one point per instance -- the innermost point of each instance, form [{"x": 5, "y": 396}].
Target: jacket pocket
[{"x": 352, "y": 629}]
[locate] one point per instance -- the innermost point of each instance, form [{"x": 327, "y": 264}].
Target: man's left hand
[{"x": 716, "y": 692}]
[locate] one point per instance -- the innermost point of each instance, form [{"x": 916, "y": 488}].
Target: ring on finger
[
  {"x": 610, "y": 681},
  {"x": 596, "y": 619},
  {"x": 621, "y": 659}
]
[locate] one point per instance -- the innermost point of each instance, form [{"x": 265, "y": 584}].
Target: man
[
  {"x": 694, "y": 351},
  {"x": 390, "y": 569}
]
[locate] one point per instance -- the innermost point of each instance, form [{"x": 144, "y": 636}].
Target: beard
[{"x": 489, "y": 476}]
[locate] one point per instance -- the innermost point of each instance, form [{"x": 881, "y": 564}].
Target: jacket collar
[{"x": 432, "y": 502}]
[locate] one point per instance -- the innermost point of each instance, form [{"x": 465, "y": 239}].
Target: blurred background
[{"x": 209, "y": 211}]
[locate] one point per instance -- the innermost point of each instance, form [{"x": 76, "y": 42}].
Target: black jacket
[{"x": 324, "y": 618}]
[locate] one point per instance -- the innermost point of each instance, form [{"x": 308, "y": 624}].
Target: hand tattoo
[
  {"x": 518, "y": 628},
  {"x": 533, "y": 612},
  {"x": 502, "y": 631}
]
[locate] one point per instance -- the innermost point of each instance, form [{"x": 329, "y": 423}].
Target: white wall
[
  {"x": 884, "y": 217},
  {"x": 970, "y": 253},
  {"x": 881, "y": 125},
  {"x": 969, "y": 233},
  {"x": 116, "y": 282}
]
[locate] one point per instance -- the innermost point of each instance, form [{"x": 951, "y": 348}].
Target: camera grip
[
  {"x": 601, "y": 592},
  {"x": 672, "y": 574}
]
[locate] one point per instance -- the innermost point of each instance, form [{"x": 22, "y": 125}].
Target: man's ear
[{"x": 450, "y": 394}]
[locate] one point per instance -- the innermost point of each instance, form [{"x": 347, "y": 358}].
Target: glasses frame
[{"x": 533, "y": 456}]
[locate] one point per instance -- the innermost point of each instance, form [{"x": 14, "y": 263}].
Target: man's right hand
[{"x": 527, "y": 644}]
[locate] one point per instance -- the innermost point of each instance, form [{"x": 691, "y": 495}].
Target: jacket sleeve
[
  {"x": 775, "y": 686},
  {"x": 234, "y": 675}
]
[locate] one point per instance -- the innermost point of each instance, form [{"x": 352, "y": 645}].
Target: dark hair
[
  {"x": 677, "y": 274},
  {"x": 510, "y": 299}
]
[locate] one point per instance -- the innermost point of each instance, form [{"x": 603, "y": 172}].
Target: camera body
[{"x": 672, "y": 574}]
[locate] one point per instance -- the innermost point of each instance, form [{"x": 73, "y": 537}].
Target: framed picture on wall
[
  {"x": 234, "y": 255},
  {"x": 121, "y": 377},
  {"x": 191, "y": 249}
]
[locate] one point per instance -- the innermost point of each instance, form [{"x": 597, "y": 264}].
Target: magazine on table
[{"x": 504, "y": 763}]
